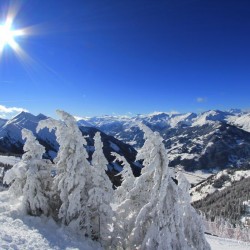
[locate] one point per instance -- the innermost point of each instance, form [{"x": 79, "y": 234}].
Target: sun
[{"x": 8, "y": 35}]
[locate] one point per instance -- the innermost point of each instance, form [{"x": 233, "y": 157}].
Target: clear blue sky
[{"x": 94, "y": 57}]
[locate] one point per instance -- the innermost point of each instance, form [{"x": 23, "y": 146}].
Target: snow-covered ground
[
  {"x": 196, "y": 177},
  {"x": 227, "y": 179},
  {"x": 22, "y": 232},
  {"x": 11, "y": 160},
  {"x": 217, "y": 243}
]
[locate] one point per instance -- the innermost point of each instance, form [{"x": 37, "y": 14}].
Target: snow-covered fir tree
[
  {"x": 31, "y": 177},
  {"x": 128, "y": 179},
  {"x": 193, "y": 225},
  {"x": 38, "y": 179},
  {"x": 73, "y": 173},
  {"x": 152, "y": 215},
  {"x": 16, "y": 177},
  {"x": 100, "y": 194}
]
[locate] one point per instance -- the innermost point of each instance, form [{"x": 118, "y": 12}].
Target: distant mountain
[
  {"x": 11, "y": 142},
  {"x": 10, "y": 133},
  {"x": 223, "y": 195},
  {"x": 2, "y": 122},
  {"x": 211, "y": 141},
  {"x": 126, "y": 128},
  {"x": 217, "y": 182},
  {"x": 211, "y": 147},
  {"x": 242, "y": 121}
]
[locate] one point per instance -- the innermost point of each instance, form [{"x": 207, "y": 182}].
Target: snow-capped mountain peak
[{"x": 210, "y": 117}]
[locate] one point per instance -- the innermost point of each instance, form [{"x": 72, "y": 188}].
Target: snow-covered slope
[
  {"x": 23, "y": 232},
  {"x": 19, "y": 231},
  {"x": 218, "y": 243},
  {"x": 217, "y": 182},
  {"x": 13, "y": 126},
  {"x": 242, "y": 121},
  {"x": 10, "y": 133},
  {"x": 207, "y": 141},
  {"x": 211, "y": 116}
]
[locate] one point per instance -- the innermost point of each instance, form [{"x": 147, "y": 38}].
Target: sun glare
[
  {"x": 9, "y": 40},
  {"x": 7, "y": 36}
]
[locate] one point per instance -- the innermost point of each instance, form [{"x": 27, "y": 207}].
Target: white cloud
[
  {"x": 6, "y": 112},
  {"x": 201, "y": 99},
  {"x": 4, "y": 109}
]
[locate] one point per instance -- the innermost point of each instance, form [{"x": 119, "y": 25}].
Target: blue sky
[{"x": 97, "y": 57}]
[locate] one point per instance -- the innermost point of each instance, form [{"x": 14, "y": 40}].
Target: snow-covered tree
[
  {"x": 73, "y": 172},
  {"x": 152, "y": 214},
  {"x": 122, "y": 223},
  {"x": 16, "y": 177},
  {"x": 193, "y": 224},
  {"x": 128, "y": 180},
  {"x": 100, "y": 194},
  {"x": 38, "y": 180},
  {"x": 31, "y": 177}
]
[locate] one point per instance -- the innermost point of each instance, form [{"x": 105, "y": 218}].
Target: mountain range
[
  {"x": 209, "y": 141},
  {"x": 11, "y": 142}
]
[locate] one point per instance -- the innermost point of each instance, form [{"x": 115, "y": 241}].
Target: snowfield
[
  {"x": 22, "y": 232},
  {"x": 11, "y": 160},
  {"x": 217, "y": 243}
]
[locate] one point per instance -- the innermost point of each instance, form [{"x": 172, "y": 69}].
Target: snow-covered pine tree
[
  {"x": 31, "y": 177},
  {"x": 16, "y": 177},
  {"x": 100, "y": 195},
  {"x": 37, "y": 186},
  {"x": 73, "y": 173},
  {"x": 153, "y": 214},
  {"x": 193, "y": 224},
  {"x": 128, "y": 180},
  {"x": 122, "y": 222}
]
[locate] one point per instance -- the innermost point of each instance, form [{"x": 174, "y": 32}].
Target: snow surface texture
[
  {"x": 11, "y": 160},
  {"x": 217, "y": 243},
  {"x": 22, "y": 232}
]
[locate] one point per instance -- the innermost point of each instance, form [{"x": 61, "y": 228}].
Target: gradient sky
[{"x": 97, "y": 57}]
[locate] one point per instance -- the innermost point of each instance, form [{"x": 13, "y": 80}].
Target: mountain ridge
[{"x": 210, "y": 141}]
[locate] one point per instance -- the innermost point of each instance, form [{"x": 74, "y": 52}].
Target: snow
[
  {"x": 218, "y": 243},
  {"x": 201, "y": 191},
  {"x": 181, "y": 118},
  {"x": 196, "y": 177},
  {"x": 211, "y": 116},
  {"x": 11, "y": 160},
  {"x": 22, "y": 232},
  {"x": 242, "y": 121}
]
